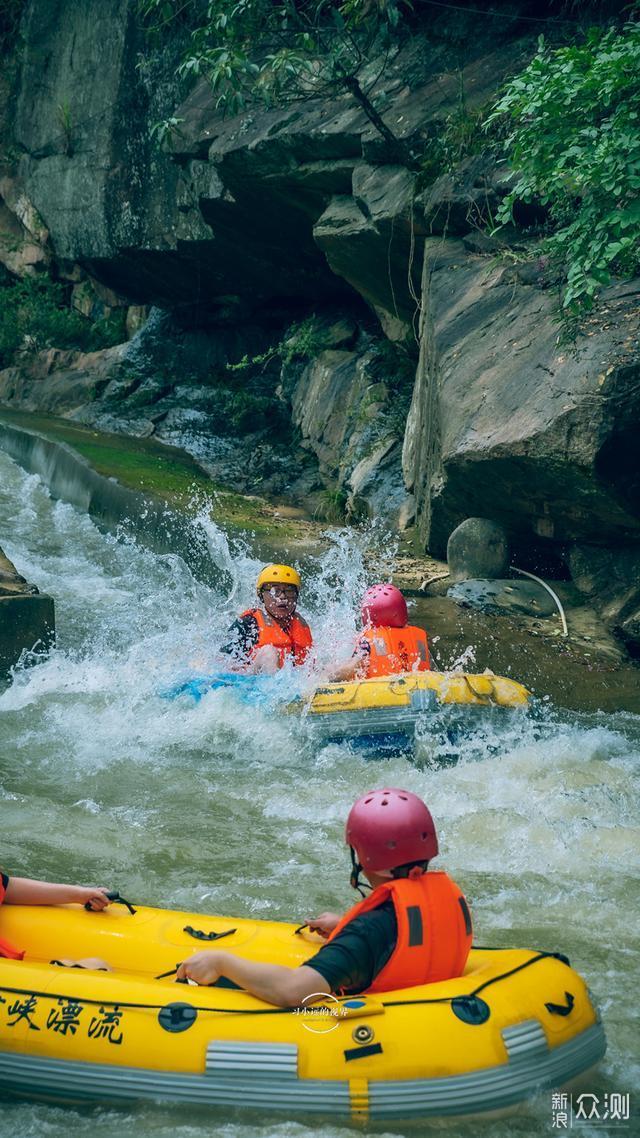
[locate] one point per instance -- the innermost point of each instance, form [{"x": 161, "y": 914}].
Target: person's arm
[
  {"x": 25, "y": 891},
  {"x": 274, "y": 983},
  {"x": 243, "y": 636},
  {"x": 354, "y": 668},
  {"x": 324, "y": 924},
  {"x": 350, "y": 962},
  {"x": 345, "y": 672}
]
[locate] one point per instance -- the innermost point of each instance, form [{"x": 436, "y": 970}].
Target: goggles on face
[{"x": 288, "y": 591}]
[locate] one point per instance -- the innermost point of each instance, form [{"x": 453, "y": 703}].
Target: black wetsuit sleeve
[
  {"x": 351, "y": 962},
  {"x": 5, "y": 879},
  {"x": 243, "y": 636}
]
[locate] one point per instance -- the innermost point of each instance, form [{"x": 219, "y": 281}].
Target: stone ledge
[{"x": 27, "y": 623}]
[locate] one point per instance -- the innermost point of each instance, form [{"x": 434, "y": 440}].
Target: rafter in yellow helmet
[{"x": 278, "y": 575}]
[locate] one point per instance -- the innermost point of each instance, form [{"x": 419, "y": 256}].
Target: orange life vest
[
  {"x": 294, "y": 644},
  {"x": 434, "y": 930},
  {"x": 6, "y": 949},
  {"x": 395, "y": 650}
]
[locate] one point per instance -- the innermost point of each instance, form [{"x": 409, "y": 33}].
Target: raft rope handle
[
  {"x": 61, "y": 964},
  {"x": 171, "y": 972},
  {"x": 514, "y": 569},
  {"x": 562, "y": 1009},
  {"x": 300, "y": 929},
  {"x": 114, "y": 896},
  {"x": 198, "y": 934},
  {"x": 277, "y": 1011}
]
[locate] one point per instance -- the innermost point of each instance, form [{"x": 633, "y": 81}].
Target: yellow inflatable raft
[
  {"x": 394, "y": 705},
  {"x": 516, "y": 1022}
]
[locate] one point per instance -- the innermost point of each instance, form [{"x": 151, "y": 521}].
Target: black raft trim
[{"x": 361, "y": 1052}]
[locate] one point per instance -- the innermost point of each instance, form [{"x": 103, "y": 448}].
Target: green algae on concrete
[{"x": 170, "y": 474}]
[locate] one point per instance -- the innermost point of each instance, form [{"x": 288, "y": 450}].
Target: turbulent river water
[{"x": 219, "y": 809}]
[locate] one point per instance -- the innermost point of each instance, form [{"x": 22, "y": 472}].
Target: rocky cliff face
[
  {"x": 245, "y": 225},
  {"x": 506, "y": 423}
]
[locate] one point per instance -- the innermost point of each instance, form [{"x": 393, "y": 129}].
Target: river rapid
[{"x": 218, "y": 808}]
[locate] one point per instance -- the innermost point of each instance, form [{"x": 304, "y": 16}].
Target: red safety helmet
[
  {"x": 390, "y": 827},
  {"x": 384, "y": 605}
]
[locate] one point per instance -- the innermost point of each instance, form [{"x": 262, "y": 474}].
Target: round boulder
[{"x": 478, "y": 548}]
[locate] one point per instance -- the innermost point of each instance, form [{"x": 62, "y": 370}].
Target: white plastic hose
[{"x": 514, "y": 569}]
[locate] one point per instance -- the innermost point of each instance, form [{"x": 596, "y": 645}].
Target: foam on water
[{"x": 221, "y": 807}]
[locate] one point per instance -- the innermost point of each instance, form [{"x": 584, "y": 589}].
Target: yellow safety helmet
[{"x": 278, "y": 574}]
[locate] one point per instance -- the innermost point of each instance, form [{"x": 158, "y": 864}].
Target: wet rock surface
[
  {"x": 27, "y": 619},
  {"x": 244, "y": 225},
  {"x": 525, "y": 598},
  {"x": 610, "y": 580},
  {"x": 12, "y": 584},
  {"x": 507, "y": 422}
]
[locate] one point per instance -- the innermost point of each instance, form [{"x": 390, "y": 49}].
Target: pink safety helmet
[
  {"x": 390, "y": 827},
  {"x": 384, "y": 605}
]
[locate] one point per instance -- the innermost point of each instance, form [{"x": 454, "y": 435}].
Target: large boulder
[
  {"x": 369, "y": 239},
  {"x": 477, "y": 547},
  {"x": 108, "y": 197},
  {"x": 506, "y": 422}
]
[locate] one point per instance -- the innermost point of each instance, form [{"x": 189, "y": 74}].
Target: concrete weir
[
  {"x": 114, "y": 507},
  {"x": 27, "y": 617}
]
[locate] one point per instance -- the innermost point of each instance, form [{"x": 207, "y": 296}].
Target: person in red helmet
[
  {"x": 414, "y": 928},
  {"x": 388, "y": 644}
]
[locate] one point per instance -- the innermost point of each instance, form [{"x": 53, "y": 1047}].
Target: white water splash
[{"x": 224, "y": 807}]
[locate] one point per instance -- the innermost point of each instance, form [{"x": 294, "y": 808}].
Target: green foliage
[
  {"x": 34, "y": 315},
  {"x": 277, "y": 50},
  {"x": 247, "y": 410},
  {"x": 164, "y": 17},
  {"x": 461, "y": 134},
  {"x": 246, "y": 394},
  {"x": 65, "y": 119},
  {"x": 304, "y": 340},
  {"x": 165, "y": 129},
  {"x": 332, "y": 506},
  {"x": 573, "y": 120},
  {"x": 301, "y": 340}
]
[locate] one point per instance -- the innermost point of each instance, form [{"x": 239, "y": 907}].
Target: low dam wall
[{"x": 113, "y": 506}]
